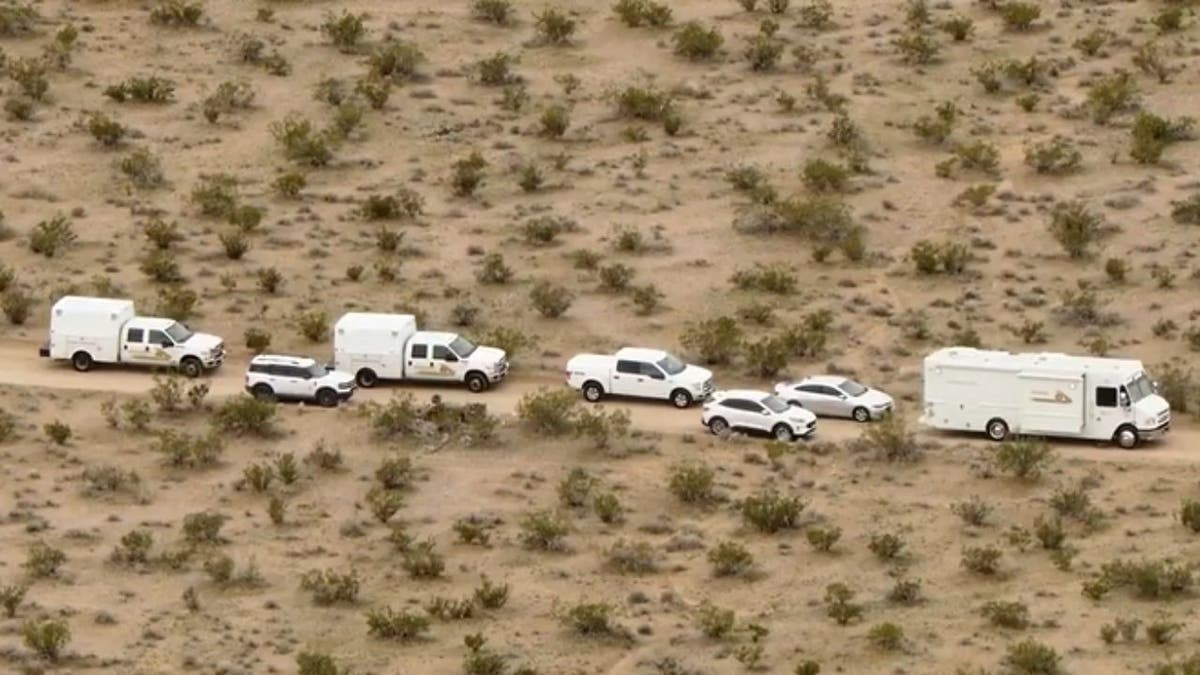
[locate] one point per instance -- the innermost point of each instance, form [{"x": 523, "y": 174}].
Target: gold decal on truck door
[{"x": 1059, "y": 396}]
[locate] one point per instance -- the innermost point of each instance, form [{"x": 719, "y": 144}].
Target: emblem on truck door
[{"x": 1044, "y": 397}]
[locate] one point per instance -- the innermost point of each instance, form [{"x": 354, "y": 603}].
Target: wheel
[
  {"x": 263, "y": 392},
  {"x": 718, "y": 426},
  {"x": 476, "y": 382},
  {"x": 1126, "y": 437},
  {"x": 783, "y": 432},
  {"x": 681, "y": 398},
  {"x": 327, "y": 398},
  {"x": 997, "y": 429},
  {"x": 82, "y": 361},
  {"x": 861, "y": 414},
  {"x": 191, "y": 367},
  {"x": 366, "y": 378},
  {"x": 592, "y": 391}
]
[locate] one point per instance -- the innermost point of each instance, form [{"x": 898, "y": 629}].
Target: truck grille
[{"x": 708, "y": 387}]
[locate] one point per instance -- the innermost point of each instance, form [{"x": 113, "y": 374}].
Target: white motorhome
[
  {"x": 376, "y": 347},
  {"x": 638, "y": 372},
  {"x": 1001, "y": 394},
  {"x": 87, "y": 331}
]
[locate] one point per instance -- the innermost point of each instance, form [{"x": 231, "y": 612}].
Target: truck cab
[
  {"x": 449, "y": 357},
  {"x": 164, "y": 342}
]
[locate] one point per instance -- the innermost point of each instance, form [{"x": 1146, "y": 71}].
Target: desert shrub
[
  {"x": 30, "y": 76},
  {"x": 142, "y": 168},
  {"x": 11, "y": 597},
  {"x": 375, "y": 90},
  {"x": 402, "y": 625},
  {"x": 493, "y": 270},
  {"x": 554, "y": 26},
  {"x": 422, "y": 561},
  {"x": 313, "y": 325},
  {"x": 692, "y": 482},
  {"x": 715, "y": 622},
  {"x": 491, "y": 596},
  {"x": 729, "y": 559},
  {"x": 949, "y": 257},
  {"x": 626, "y": 557},
  {"x": 646, "y": 298},
  {"x": 695, "y": 42},
  {"x": 770, "y": 512},
  {"x": 1019, "y": 15},
  {"x": 203, "y": 527},
  {"x": 1152, "y": 134},
  {"x": 245, "y": 415},
  {"x": 395, "y": 61},
  {"x": 1024, "y": 458},
  {"x": 1148, "y": 579},
  {"x": 763, "y": 53},
  {"x": 329, "y": 587},
  {"x": 643, "y": 102},
  {"x": 886, "y": 636},
  {"x": 892, "y": 440},
  {"x": 600, "y": 428},
  {"x": 825, "y": 176},
  {"x": 176, "y": 13},
  {"x": 107, "y": 131},
  {"x": 301, "y": 141},
  {"x": 777, "y": 278},
  {"x": 1056, "y": 156},
  {"x": 1030, "y": 657},
  {"x": 58, "y": 432},
  {"x": 234, "y": 243},
  {"x": 974, "y": 511},
  {"x": 809, "y": 338},
  {"x": 1189, "y": 515},
  {"x": 714, "y": 340},
  {"x": 958, "y": 27},
  {"x": 530, "y": 178},
  {"x": 1111, "y": 95},
  {"x": 1150, "y": 60},
  {"x": 886, "y": 546},
  {"x": 575, "y": 489},
  {"x": 591, "y": 619},
  {"x": 983, "y": 560},
  {"x": 50, "y": 236},
  {"x": 46, "y": 638},
  {"x": 344, "y": 30},
  {"x": 499, "y": 12},
  {"x": 289, "y": 184},
  {"x": 1013, "y": 615},
  {"x": 979, "y": 156},
  {"x": 816, "y": 14},
  {"x": 768, "y": 356},
  {"x": 43, "y": 560},
  {"x": 323, "y": 457},
  {"x": 550, "y": 300},
  {"x": 1075, "y": 227},
  {"x": 149, "y": 89},
  {"x": 468, "y": 174},
  {"x": 825, "y": 222},
  {"x": 1092, "y": 42},
  {"x": 555, "y": 120},
  {"x": 451, "y": 610},
  {"x": 545, "y": 530},
  {"x": 258, "y": 476},
  {"x": 228, "y": 97},
  {"x": 17, "y": 19},
  {"x": 634, "y": 13},
  {"x": 917, "y": 47},
  {"x": 16, "y": 305},
  {"x": 317, "y": 663},
  {"x": 839, "y": 604},
  {"x": 1161, "y": 631},
  {"x": 543, "y": 230},
  {"x": 823, "y": 539},
  {"x": 936, "y": 128},
  {"x": 216, "y": 194},
  {"x": 19, "y": 109}
]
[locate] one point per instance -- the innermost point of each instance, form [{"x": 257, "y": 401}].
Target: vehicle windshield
[
  {"x": 318, "y": 370},
  {"x": 852, "y": 388},
  {"x": 671, "y": 365},
  {"x": 179, "y": 332},
  {"x": 1139, "y": 388},
  {"x": 462, "y": 346},
  {"x": 775, "y": 404}
]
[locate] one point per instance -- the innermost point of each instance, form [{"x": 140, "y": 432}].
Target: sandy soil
[{"x": 607, "y": 172}]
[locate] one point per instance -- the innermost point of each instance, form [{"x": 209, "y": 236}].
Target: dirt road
[{"x": 21, "y": 366}]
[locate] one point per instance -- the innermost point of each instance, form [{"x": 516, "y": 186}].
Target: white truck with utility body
[
  {"x": 374, "y": 346},
  {"x": 641, "y": 373},
  {"x": 87, "y": 331},
  {"x": 1042, "y": 394}
]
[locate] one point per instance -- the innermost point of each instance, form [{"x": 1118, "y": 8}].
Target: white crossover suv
[
  {"x": 836, "y": 396},
  {"x": 757, "y": 411},
  {"x": 272, "y": 377}
]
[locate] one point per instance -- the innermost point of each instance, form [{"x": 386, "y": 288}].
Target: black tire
[
  {"x": 262, "y": 392},
  {"x": 327, "y": 398},
  {"x": 1126, "y": 438},
  {"x": 783, "y": 432},
  {"x": 476, "y": 382},
  {"x": 191, "y": 367},
  {"x": 718, "y": 426},
  {"x": 681, "y": 398},
  {"x": 997, "y": 429},
  {"x": 861, "y": 414},
  {"x": 592, "y": 392},
  {"x": 366, "y": 378},
  {"x": 81, "y": 361}
]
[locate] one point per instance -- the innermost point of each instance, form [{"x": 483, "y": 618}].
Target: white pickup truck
[
  {"x": 87, "y": 331},
  {"x": 636, "y": 372},
  {"x": 378, "y": 347}
]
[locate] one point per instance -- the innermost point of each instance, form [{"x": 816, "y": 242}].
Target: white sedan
[
  {"x": 760, "y": 411},
  {"x": 836, "y": 396}
]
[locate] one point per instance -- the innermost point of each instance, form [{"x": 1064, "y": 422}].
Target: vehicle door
[
  {"x": 418, "y": 366},
  {"x": 654, "y": 381},
  {"x": 747, "y": 414},
  {"x": 160, "y": 348},
  {"x": 134, "y": 348},
  {"x": 628, "y": 380},
  {"x": 1107, "y": 411},
  {"x": 445, "y": 364},
  {"x": 834, "y": 401}
]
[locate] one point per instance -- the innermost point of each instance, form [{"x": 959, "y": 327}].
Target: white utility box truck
[
  {"x": 87, "y": 331},
  {"x": 378, "y": 347},
  {"x": 640, "y": 373},
  {"x": 1001, "y": 394}
]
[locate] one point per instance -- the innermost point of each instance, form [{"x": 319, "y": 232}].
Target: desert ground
[{"x": 770, "y": 188}]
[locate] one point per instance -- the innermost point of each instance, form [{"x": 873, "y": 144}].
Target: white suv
[
  {"x": 750, "y": 410},
  {"x": 296, "y": 378}
]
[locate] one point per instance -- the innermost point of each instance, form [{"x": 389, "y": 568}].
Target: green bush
[
  {"x": 730, "y": 559},
  {"x": 959, "y": 27},
  {"x": 892, "y": 440},
  {"x": 46, "y": 638},
  {"x": 30, "y": 76},
  {"x": 692, "y": 482},
  {"x": 591, "y": 619},
  {"x": 550, "y": 300},
  {"x": 839, "y": 604},
  {"x": 715, "y": 622},
  {"x": 1024, "y": 458},
  {"x": 555, "y": 120},
  {"x": 1075, "y": 227},
  {"x": 1058, "y": 156},
  {"x": 983, "y": 560},
  {"x": 776, "y": 278},
  {"x": 768, "y": 356},
  {"x": 403, "y": 625},
  {"x": 634, "y": 13},
  {"x": 626, "y": 557},
  {"x": 301, "y": 141},
  {"x": 43, "y": 560},
  {"x": 1018, "y": 15},
  {"x": 11, "y": 598},
  {"x": 887, "y": 636},
  {"x": 344, "y": 30},
  {"x": 545, "y": 530},
  {"x": 422, "y": 561},
  {"x": 1111, "y": 95},
  {"x": 643, "y": 102},
  {"x": 974, "y": 511},
  {"x": 468, "y": 174},
  {"x": 329, "y": 587},
  {"x": 763, "y": 53},
  {"x": 770, "y": 512},
  {"x": 17, "y": 19},
  {"x": 823, "y": 539},
  {"x": 1152, "y": 134},
  {"x": 714, "y": 340},
  {"x": 917, "y": 47},
  {"x": 1149, "y": 579},
  {"x": 176, "y": 13},
  {"x": 554, "y": 26},
  {"x": 1189, "y": 515},
  {"x": 1013, "y": 615},
  {"x": 245, "y": 415},
  {"x": 395, "y": 61},
  {"x": 16, "y": 305},
  {"x": 695, "y": 42},
  {"x": 317, "y": 663},
  {"x": 51, "y": 236},
  {"x": 105, "y": 129},
  {"x": 151, "y": 89},
  {"x": 203, "y": 527},
  {"x": 499, "y": 12},
  {"x": 1030, "y": 657}
]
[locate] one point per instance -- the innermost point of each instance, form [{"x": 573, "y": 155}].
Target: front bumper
[
  {"x": 498, "y": 374},
  {"x": 807, "y": 430},
  {"x": 1155, "y": 433}
]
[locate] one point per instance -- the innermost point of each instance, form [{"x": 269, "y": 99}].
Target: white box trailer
[{"x": 1042, "y": 394}]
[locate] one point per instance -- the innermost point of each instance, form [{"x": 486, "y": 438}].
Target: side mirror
[
  {"x": 1154, "y": 386},
  {"x": 166, "y": 344},
  {"x": 450, "y": 358}
]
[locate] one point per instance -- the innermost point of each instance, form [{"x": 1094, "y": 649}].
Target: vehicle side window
[
  {"x": 298, "y": 373},
  {"x": 735, "y": 403},
  {"x": 1106, "y": 397},
  {"x": 651, "y": 370},
  {"x": 830, "y": 391},
  {"x": 258, "y": 368},
  {"x": 629, "y": 367},
  {"x": 157, "y": 337},
  {"x": 443, "y": 353},
  {"x": 420, "y": 351},
  {"x": 134, "y": 335}
]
